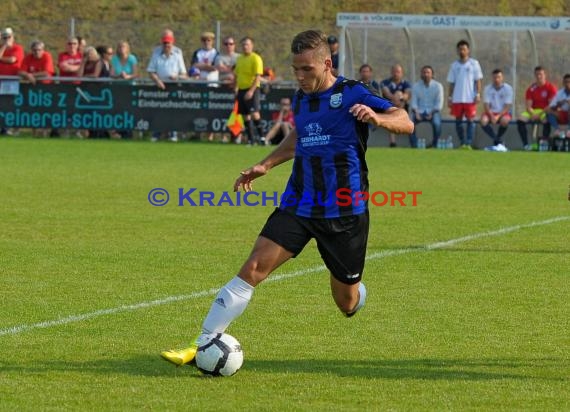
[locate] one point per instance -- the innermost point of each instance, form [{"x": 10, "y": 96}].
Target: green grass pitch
[{"x": 469, "y": 291}]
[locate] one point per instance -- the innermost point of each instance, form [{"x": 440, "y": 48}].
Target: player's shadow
[
  {"x": 401, "y": 369},
  {"x": 139, "y": 365},
  {"x": 427, "y": 369}
]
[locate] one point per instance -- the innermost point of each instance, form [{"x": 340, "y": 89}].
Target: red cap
[{"x": 168, "y": 39}]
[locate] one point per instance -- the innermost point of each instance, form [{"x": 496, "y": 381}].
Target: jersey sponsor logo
[
  {"x": 314, "y": 138},
  {"x": 313, "y": 129},
  {"x": 349, "y": 276},
  {"x": 336, "y": 100}
]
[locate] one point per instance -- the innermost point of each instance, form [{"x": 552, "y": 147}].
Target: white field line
[{"x": 14, "y": 330}]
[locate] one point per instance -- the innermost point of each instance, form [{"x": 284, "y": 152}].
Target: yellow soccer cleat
[{"x": 180, "y": 357}]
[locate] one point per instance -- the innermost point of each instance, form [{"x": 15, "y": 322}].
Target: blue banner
[{"x": 123, "y": 106}]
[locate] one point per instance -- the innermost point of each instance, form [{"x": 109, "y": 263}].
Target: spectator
[
  {"x": 38, "y": 64},
  {"x": 159, "y": 49},
  {"x": 69, "y": 61},
  {"x": 557, "y": 111},
  {"x": 11, "y": 57},
  {"x": 166, "y": 66},
  {"x": 124, "y": 64},
  {"x": 333, "y": 46},
  {"x": 537, "y": 97},
  {"x": 91, "y": 64},
  {"x": 498, "y": 101},
  {"x": 464, "y": 78},
  {"x": 366, "y": 77},
  {"x": 226, "y": 61},
  {"x": 426, "y": 104},
  {"x": 194, "y": 73},
  {"x": 11, "y": 53},
  {"x": 283, "y": 123},
  {"x": 204, "y": 57},
  {"x": 398, "y": 91},
  {"x": 248, "y": 71},
  {"x": 106, "y": 53}
]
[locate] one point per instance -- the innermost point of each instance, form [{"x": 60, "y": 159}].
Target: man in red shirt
[
  {"x": 38, "y": 64},
  {"x": 69, "y": 61},
  {"x": 11, "y": 53},
  {"x": 283, "y": 123},
  {"x": 538, "y": 96},
  {"x": 11, "y": 56}
]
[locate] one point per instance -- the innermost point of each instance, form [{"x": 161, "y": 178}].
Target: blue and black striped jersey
[{"x": 330, "y": 151}]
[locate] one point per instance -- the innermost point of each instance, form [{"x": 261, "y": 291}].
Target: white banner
[{"x": 449, "y": 22}]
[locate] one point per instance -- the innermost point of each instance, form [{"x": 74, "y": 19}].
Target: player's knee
[{"x": 252, "y": 272}]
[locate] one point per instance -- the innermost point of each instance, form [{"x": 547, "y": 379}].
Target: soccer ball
[{"x": 219, "y": 354}]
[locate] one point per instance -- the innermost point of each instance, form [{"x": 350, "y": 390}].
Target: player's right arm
[
  {"x": 284, "y": 152},
  {"x": 450, "y": 94}
]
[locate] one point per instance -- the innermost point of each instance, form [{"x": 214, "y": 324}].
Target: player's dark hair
[
  {"x": 566, "y": 76},
  {"x": 309, "y": 40},
  {"x": 538, "y": 69},
  {"x": 365, "y": 66},
  {"x": 427, "y": 66},
  {"x": 497, "y": 71},
  {"x": 462, "y": 42}
]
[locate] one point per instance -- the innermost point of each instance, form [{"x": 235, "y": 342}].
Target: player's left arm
[
  {"x": 478, "y": 86},
  {"x": 393, "y": 119}
]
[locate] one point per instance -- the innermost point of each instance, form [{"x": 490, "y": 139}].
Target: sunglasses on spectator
[{"x": 229, "y": 43}]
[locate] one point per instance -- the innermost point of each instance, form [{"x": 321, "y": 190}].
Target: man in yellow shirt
[{"x": 248, "y": 71}]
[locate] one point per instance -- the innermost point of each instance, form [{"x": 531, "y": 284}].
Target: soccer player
[
  {"x": 328, "y": 146},
  {"x": 464, "y": 78},
  {"x": 498, "y": 101},
  {"x": 537, "y": 98}
]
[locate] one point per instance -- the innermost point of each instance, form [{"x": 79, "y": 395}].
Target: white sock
[
  {"x": 361, "y": 299},
  {"x": 362, "y": 296},
  {"x": 231, "y": 301}
]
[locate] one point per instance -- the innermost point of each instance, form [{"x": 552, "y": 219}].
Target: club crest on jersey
[{"x": 336, "y": 100}]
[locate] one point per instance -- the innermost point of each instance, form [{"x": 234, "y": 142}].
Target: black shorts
[
  {"x": 246, "y": 107},
  {"x": 341, "y": 241}
]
